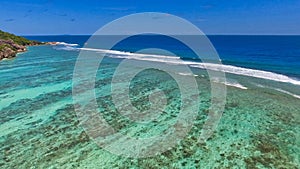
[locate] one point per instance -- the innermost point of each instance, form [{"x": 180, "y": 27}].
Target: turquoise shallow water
[{"x": 40, "y": 129}]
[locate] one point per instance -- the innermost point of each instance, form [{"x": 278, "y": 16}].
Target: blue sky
[{"x": 43, "y": 17}]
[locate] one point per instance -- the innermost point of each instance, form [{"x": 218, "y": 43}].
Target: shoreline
[
  {"x": 9, "y": 49},
  {"x": 8, "y": 53},
  {"x": 11, "y": 45}
]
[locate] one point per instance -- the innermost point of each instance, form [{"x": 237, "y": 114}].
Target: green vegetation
[
  {"x": 16, "y": 39},
  {"x": 2, "y": 46},
  {"x": 11, "y": 44}
]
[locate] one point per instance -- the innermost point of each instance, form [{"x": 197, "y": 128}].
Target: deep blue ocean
[{"x": 279, "y": 54}]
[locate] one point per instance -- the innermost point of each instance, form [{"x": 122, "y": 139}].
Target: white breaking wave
[
  {"x": 248, "y": 72},
  {"x": 187, "y": 74},
  {"x": 68, "y": 48},
  {"x": 209, "y": 66},
  {"x": 289, "y": 93},
  {"x": 235, "y": 84},
  {"x": 229, "y": 82},
  {"x": 129, "y": 55},
  {"x": 66, "y": 44},
  {"x": 278, "y": 89}
]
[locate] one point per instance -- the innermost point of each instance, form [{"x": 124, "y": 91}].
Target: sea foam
[
  {"x": 66, "y": 44},
  {"x": 278, "y": 89},
  {"x": 209, "y": 66}
]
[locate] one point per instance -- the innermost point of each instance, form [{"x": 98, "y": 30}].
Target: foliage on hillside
[
  {"x": 11, "y": 44},
  {"x": 17, "y": 39}
]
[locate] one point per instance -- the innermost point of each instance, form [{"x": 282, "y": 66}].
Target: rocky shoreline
[
  {"x": 9, "y": 49},
  {"x": 11, "y": 44}
]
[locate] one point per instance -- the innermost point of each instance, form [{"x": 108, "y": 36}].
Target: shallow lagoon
[{"x": 40, "y": 129}]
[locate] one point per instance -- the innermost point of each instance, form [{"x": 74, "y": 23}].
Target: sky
[{"x": 79, "y": 17}]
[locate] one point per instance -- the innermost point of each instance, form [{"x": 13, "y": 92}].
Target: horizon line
[{"x": 204, "y": 34}]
